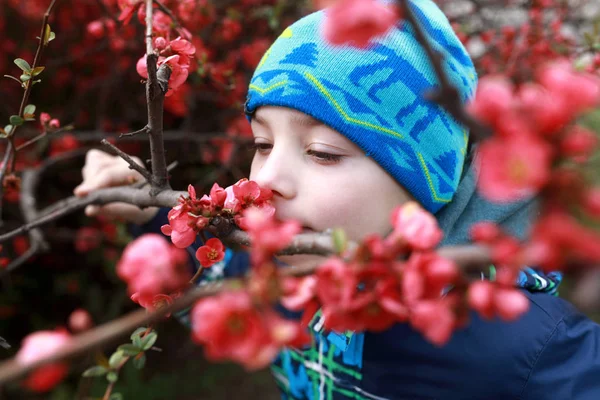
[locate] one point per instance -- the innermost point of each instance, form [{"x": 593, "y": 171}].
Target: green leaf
[
  {"x": 139, "y": 361},
  {"x": 37, "y": 70},
  {"x": 8, "y": 129},
  {"x": 24, "y": 65},
  {"x": 116, "y": 396},
  {"x": 340, "y": 240},
  {"x": 130, "y": 349},
  {"x": 29, "y": 109},
  {"x": 112, "y": 377},
  {"x": 116, "y": 359},
  {"x": 149, "y": 340},
  {"x": 25, "y": 77},
  {"x": 97, "y": 370},
  {"x": 137, "y": 341},
  {"x": 36, "y": 81},
  {"x": 16, "y": 120},
  {"x": 138, "y": 332},
  {"x": 48, "y": 35}
]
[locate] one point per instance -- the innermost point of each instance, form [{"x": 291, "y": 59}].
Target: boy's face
[{"x": 319, "y": 177}]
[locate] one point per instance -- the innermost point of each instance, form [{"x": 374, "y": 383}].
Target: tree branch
[
  {"x": 447, "y": 95},
  {"x": 132, "y": 164},
  {"x": 80, "y": 344}
]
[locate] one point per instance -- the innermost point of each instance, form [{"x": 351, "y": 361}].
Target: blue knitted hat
[{"x": 375, "y": 96}]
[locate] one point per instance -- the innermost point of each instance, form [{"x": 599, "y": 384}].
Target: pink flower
[
  {"x": 513, "y": 168},
  {"x": 151, "y": 266},
  {"x": 267, "y": 235},
  {"x": 230, "y": 328},
  {"x": 153, "y": 302},
  {"x": 212, "y": 252},
  {"x": 415, "y": 226},
  {"x": 434, "y": 319},
  {"x": 80, "y": 320},
  {"x": 493, "y": 100},
  {"x": 489, "y": 299},
  {"x": 182, "y": 46},
  {"x": 45, "y": 118},
  {"x": 181, "y": 231},
  {"x": 40, "y": 345},
  {"x": 356, "y": 22}
]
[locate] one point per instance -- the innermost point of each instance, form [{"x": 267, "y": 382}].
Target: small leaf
[
  {"x": 25, "y": 77},
  {"x": 48, "y": 35},
  {"x": 137, "y": 341},
  {"x": 340, "y": 240},
  {"x": 37, "y": 81},
  {"x": 8, "y": 129},
  {"x": 112, "y": 377},
  {"x": 37, "y": 70},
  {"x": 116, "y": 396},
  {"x": 97, "y": 370},
  {"x": 16, "y": 120},
  {"x": 138, "y": 332},
  {"x": 130, "y": 349},
  {"x": 24, "y": 65},
  {"x": 139, "y": 361},
  {"x": 29, "y": 109},
  {"x": 149, "y": 340},
  {"x": 116, "y": 359}
]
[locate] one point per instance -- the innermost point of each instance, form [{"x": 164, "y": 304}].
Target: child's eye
[
  {"x": 325, "y": 158},
  {"x": 261, "y": 148}
]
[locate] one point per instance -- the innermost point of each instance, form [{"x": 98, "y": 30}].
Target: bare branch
[
  {"x": 447, "y": 95},
  {"x": 126, "y": 194},
  {"x": 132, "y": 164},
  {"x": 145, "y": 129}
]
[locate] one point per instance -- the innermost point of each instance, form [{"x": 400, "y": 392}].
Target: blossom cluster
[
  {"x": 193, "y": 214},
  {"x": 538, "y": 149}
]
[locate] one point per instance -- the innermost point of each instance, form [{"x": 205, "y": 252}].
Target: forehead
[{"x": 271, "y": 115}]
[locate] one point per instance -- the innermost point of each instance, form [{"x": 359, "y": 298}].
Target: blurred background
[{"x": 91, "y": 86}]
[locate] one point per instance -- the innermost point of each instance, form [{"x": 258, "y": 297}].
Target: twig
[
  {"x": 166, "y": 10},
  {"x": 10, "y": 370},
  {"x": 447, "y": 95},
  {"x": 145, "y": 129},
  {"x": 126, "y": 194},
  {"x": 132, "y": 164},
  {"x": 156, "y": 88},
  {"x": 10, "y": 149}
]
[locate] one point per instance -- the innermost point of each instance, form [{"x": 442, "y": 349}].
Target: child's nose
[{"x": 277, "y": 173}]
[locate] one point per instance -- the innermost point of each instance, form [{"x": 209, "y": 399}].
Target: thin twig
[
  {"x": 132, "y": 164},
  {"x": 447, "y": 95},
  {"x": 166, "y": 10},
  {"x": 143, "y": 130}
]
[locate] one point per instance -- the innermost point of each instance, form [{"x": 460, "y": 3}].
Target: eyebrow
[{"x": 300, "y": 119}]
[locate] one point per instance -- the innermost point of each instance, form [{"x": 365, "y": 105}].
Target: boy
[{"x": 343, "y": 136}]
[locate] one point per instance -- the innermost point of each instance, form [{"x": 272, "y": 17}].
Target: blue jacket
[{"x": 552, "y": 352}]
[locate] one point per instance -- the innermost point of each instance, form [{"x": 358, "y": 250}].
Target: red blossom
[
  {"x": 37, "y": 346},
  {"x": 80, "y": 320},
  {"x": 490, "y": 299},
  {"x": 211, "y": 253},
  {"x": 356, "y": 22},
  {"x": 414, "y": 225},
  {"x": 513, "y": 168},
  {"x": 154, "y": 302},
  {"x": 151, "y": 266}
]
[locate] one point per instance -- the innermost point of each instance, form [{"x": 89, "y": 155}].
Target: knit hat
[{"x": 375, "y": 96}]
